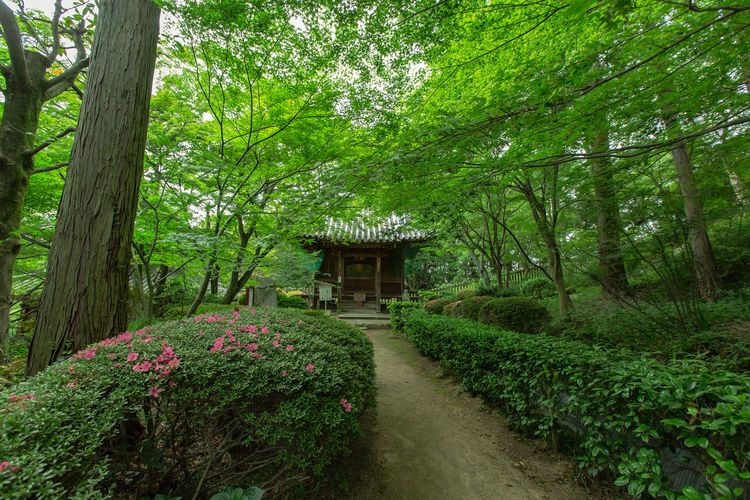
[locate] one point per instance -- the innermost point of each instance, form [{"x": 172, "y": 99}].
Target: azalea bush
[
  {"x": 258, "y": 397},
  {"x": 660, "y": 429}
]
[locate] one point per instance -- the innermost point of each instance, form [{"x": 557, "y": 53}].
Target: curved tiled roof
[{"x": 392, "y": 230}]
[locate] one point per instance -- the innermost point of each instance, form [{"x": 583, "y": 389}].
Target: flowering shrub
[
  {"x": 264, "y": 397},
  {"x": 661, "y": 429}
]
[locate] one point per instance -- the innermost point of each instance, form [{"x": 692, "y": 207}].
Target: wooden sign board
[{"x": 325, "y": 293}]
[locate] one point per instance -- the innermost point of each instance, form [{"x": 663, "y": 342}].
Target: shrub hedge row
[
  {"x": 517, "y": 314},
  {"x": 268, "y": 398},
  {"x": 290, "y": 301},
  {"x": 397, "y": 311},
  {"x": 467, "y": 308},
  {"x": 661, "y": 429},
  {"x": 436, "y": 306}
]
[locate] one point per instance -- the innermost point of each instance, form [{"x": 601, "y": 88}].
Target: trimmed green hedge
[
  {"x": 629, "y": 415},
  {"x": 540, "y": 288},
  {"x": 518, "y": 314},
  {"x": 290, "y": 301},
  {"x": 436, "y": 306},
  {"x": 268, "y": 398},
  {"x": 469, "y": 308},
  {"x": 397, "y": 310}
]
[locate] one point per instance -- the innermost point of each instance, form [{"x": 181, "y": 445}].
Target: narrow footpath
[{"x": 430, "y": 441}]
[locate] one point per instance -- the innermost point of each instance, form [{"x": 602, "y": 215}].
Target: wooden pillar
[
  {"x": 377, "y": 281},
  {"x": 340, "y": 273}
]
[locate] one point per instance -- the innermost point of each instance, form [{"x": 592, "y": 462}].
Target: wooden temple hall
[{"x": 361, "y": 267}]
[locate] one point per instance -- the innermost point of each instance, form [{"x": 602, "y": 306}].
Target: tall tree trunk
[
  {"x": 23, "y": 104},
  {"x": 85, "y": 294},
  {"x": 614, "y": 279},
  {"x": 704, "y": 264}
]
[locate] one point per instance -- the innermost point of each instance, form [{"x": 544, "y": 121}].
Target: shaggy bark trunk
[
  {"x": 85, "y": 294},
  {"x": 23, "y": 104},
  {"x": 614, "y": 279},
  {"x": 704, "y": 264}
]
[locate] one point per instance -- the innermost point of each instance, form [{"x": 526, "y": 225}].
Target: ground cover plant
[
  {"x": 644, "y": 422},
  {"x": 260, "y": 397}
]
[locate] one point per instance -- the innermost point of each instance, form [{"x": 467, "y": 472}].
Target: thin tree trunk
[
  {"x": 614, "y": 279},
  {"x": 215, "y": 280},
  {"x": 556, "y": 270},
  {"x": 86, "y": 288},
  {"x": 154, "y": 310},
  {"x": 546, "y": 225},
  {"x": 198, "y": 300}
]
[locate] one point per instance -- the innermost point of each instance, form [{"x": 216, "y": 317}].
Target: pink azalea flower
[
  {"x": 310, "y": 368},
  {"x": 198, "y": 318},
  {"x": 174, "y": 363},
  {"x": 256, "y": 355},
  {"x": 252, "y": 347},
  {"x": 125, "y": 337},
  {"x": 264, "y": 330},
  {"x": 86, "y": 353},
  {"x": 253, "y": 311},
  {"x": 276, "y": 344},
  {"x": 117, "y": 365},
  {"x": 155, "y": 391},
  {"x": 132, "y": 357},
  {"x": 142, "y": 367},
  {"x": 236, "y": 314},
  {"x": 218, "y": 344},
  {"x": 5, "y": 465},
  {"x": 290, "y": 347},
  {"x": 15, "y": 398},
  {"x": 346, "y": 404},
  {"x": 146, "y": 340}
]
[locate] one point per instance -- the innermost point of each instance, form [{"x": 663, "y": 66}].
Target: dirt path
[{"x": 429, "y": 441}]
